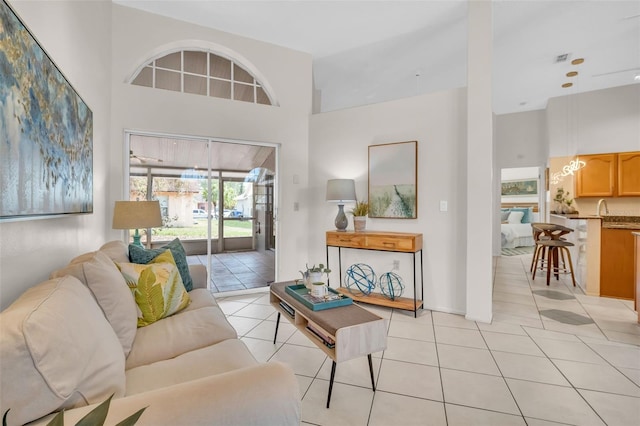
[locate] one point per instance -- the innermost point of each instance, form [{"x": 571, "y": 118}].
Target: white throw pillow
[
  {"x": 57, "y": 351},
  {"x": 100, "y": 274},
  {"x": 516, "y": 217}
]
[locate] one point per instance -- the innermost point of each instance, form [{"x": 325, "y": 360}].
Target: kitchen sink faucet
[{"x": 606, "y": 208}]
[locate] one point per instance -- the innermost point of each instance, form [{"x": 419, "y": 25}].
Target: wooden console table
[{"x": 399, "y": 242}]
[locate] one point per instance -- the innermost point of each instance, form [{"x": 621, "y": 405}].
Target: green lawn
[{"x": 232, "y": 228}]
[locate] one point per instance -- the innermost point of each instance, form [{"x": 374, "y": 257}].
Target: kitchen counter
[{"x": 621, "y": 222}]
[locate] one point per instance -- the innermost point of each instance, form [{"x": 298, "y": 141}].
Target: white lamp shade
[
  {"x": 341, "y": 190},
  {"x": 136, "y": 215}
]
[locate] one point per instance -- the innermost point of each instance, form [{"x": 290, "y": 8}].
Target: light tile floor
[
  {"x": 440, "y": 369},
  {"x": 234, "y": 271}
]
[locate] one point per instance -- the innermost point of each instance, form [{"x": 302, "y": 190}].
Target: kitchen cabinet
[
  {"x": 617, "y": 263},
  {"x": 637, "y": 272},
  {"x": 629, "y": 174},
  {"x": 609, "y": 175},
  {"x": 598, "y": 177}
]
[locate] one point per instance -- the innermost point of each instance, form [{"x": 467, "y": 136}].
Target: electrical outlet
[{"x": 396, "y": 264}]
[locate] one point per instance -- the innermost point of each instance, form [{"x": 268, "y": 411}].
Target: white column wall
[{"x": 480, "y": 187}]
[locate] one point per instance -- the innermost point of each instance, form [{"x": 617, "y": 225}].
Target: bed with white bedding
[
  {"x": 516, "y": 235},
  {"x": 516, "y": 226}
]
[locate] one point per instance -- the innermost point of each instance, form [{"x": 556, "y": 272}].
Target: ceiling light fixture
[
  {"x": 637, "y": 77},
  {"x": 565, "y": 85},
  {"x": 572, "y": 73},
  {"x": 577, "y": 61}
]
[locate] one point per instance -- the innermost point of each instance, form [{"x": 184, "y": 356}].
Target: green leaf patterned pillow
[{"x": 157, "y": 288}]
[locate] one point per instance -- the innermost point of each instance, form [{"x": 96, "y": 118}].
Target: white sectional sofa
[{"x": 72, "y": 341}]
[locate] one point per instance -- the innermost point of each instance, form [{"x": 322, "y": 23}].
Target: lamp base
[
  {"x": 136, "y": 239},
  {"x": 341, "y": 219}
]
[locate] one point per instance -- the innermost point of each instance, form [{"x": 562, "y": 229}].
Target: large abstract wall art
[{"x": 46, "y": 131}]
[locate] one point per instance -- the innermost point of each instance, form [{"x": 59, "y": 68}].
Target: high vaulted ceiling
[{"x": 371, "y": 51}]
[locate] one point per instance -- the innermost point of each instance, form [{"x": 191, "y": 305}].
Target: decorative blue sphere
[
  {"x": 391, "y": 285},
  {"x": 362, "y": 277}
]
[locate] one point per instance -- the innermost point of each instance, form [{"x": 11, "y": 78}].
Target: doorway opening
[
  {"x": 522, "y": 192},
  {"x": 216, "y": 196}
]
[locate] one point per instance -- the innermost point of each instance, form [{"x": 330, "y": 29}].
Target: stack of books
[
  {"x": 288, "y": 309},
  {"x": 321, "y": 335}
]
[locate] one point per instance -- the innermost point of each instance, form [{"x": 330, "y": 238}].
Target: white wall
[
  {"x": 339, "y": 143},
  {"x": 595, "y": 122},
  {"x": 138, "y": 35},
  {"x": 76, "y": 35},
  {"x": 521, "y": 139},
  {"x": 98, "y": 46}
]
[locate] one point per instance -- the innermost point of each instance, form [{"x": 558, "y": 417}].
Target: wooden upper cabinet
[
  {"x": 598, "y": 177},
  {"x": 629, "y": 174}
]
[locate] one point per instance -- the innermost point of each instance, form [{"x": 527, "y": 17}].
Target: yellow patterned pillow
[{"x": 157, "y": 288}]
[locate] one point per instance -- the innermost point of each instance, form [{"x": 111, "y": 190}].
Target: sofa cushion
[
  {"x": 140, "y": 255},
  {"x": 200, "y": 298},
  {"x": 157, "y": 288},
  {"x": 220, "y": 358},
  {"x": 57, "y": 351},
  {"x": 116, "y": 250},
  {"x": 180, "y": 333},
  {"x": 98, "y": 272}
]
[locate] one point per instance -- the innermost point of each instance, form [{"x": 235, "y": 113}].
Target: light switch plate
[{"x": 443, "y": 206}]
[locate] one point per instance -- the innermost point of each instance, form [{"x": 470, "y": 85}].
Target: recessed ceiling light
[
  {"x": 637, "y": 77},
  {"x": 577, "y": 61},
  {"x": 572, "y": 73},
  {"x": 567, "y": 85}
]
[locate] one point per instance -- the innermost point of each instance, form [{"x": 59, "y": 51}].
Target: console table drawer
[
  {"x": 346, "y": 239},
  {"x": 376, "y": 240},
  {"x": 395, "y": 243}
]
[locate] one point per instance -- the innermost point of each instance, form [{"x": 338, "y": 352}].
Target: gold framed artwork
[
  {"x": 393, "y": 180},
  {"x": 519, "y": 188}
]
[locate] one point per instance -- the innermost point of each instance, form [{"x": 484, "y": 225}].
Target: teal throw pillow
[{"x": 144, "y": 256}]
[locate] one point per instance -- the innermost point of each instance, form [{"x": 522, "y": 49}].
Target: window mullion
[
  {"x": 233, "y": 67},
  {"x": 182, "y": 71}
]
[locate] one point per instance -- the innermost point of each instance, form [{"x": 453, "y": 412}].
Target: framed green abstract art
[{"x": 393, "y": 180}]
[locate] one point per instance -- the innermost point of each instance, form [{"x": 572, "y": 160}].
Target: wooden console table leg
[
  {"x": 277, "y": 324},
  {"x": 373, "y": 383},
  {"x": 333, "y": 375}
]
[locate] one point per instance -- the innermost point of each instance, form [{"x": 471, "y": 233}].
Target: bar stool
[
  {"x": 549, "y": 242},
  {"x": 539, "y": 249}
]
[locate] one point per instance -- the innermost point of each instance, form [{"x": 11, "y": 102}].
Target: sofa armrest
[
  {"x": 265, "y": 394},
  {"x": 198, "y": 276}
]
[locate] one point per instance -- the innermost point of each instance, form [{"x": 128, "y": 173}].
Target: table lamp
[
  {"x": 341, "y": 191},
  {"x": 135, "y": 215}
]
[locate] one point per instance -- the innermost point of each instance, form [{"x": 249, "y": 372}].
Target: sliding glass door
[{"x": 216, "y": 196}]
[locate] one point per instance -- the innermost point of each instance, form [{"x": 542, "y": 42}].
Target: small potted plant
[
  {"x": 360, "y": 212},
  {"x": 314, "y": 273},
  {"x": 564, "y": 203}
]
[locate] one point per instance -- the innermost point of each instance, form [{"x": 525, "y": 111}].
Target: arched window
[{"x": 202, "y": 73}]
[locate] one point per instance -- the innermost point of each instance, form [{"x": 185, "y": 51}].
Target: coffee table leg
[
  {"x": 373, "y": 384},
  {"x": 333, "y": 374},
  {"x": 277, "y": 324}
]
